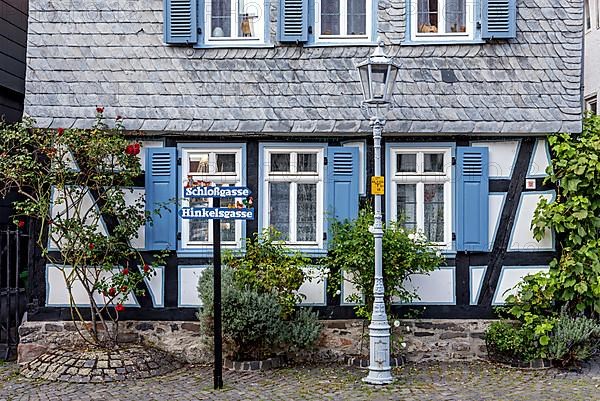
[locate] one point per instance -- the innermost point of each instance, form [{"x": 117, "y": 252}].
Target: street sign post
[{"x": 240, "y": 211}]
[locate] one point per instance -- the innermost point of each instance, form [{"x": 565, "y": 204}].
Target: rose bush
[{"x": 72, "y": 182}]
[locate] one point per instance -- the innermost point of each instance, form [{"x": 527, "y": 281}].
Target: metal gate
[{"x": 13, "y": 278}]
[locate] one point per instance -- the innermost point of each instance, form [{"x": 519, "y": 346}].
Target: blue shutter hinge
[
  {"x": 324, "y": 236},
  {"x": 453, "y": 236},
  {"x": 453, "y": 161},
  {"x": 179, "y": 236},
  {"x": 179, "y": 161},
  {"x": 478, "y": 25},
  {"x": 199, "y": 31},
  {"x": 325, "y": 160},
  {"x": 310, "y": 30}
]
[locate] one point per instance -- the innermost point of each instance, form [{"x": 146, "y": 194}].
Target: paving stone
[{"x": 429, "y": 381}]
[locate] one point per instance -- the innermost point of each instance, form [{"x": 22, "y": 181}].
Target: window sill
[
  {"x": 234, "y": 46},
  {"x": 203, "y": 253},
  {"x": 340, "y": 43},
  {"x": 444, "y": 42}
]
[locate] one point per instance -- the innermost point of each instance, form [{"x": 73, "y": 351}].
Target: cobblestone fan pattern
[
  {"x": 474, "y": 381},
  {"x": 98, "y": 366},
  {"x": 81, "y": 54}
]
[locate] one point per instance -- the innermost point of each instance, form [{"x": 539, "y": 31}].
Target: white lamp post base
[{"x": 380, "y": 371}]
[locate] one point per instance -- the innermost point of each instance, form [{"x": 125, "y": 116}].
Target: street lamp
[{"x": 377, "y": 77}]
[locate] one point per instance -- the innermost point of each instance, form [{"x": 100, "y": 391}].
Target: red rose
[
  {"x": 21, "y": 224},
  {"x": 146, "y": 267},
  {"x": 119, "y": 307},
  {"x": 61, "y": 131},
  {"x": 124, "y": 288},
  {"x": 112, "y": 292},
  {"x": 91, "y": 246},
  {"x": 50, "y": 221},
  {"x": 136, "y": 148},
  {"x": 99, "y": 109},
  {"x": 125, "y": 271}
]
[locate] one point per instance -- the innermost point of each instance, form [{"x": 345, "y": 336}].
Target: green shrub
[
  {"x": 574, "y": 339},
  {"x": 251, "y": 321},
  {"x": 352, "y": 252},
  {"x": 303, "y": 330},
  {"x": 510, "y": 342},
  {"x": 269, "y": 267},
  {"x": 253, "y": 326}
]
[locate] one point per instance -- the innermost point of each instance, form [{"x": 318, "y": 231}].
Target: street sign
[
  {"x": 239, "y": 211},
  {"x": 222, "y": 213},
  {"x": 377, "y": 185},
  {"x": 216, "y": 192}
]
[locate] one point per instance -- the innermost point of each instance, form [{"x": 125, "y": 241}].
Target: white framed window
[
  {"x": 234, "y": 21},
  {"x": 220, "y": 167},
  {"x": 591, "y": 104},
  {"x": 343, "y": 20},
  {"x": 442, "y": 19},
  {"x": 421, "y": 191},
  {"x": 292, "y": 195}
]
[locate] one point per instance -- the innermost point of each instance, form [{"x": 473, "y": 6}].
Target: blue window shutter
[
  {"x": 161, "y": 191},
  {"x": 342, "y": 189},
  {"x": 293, "y": 20},
  {"x": 499, "y": 19},
  {"x": 472, "y": 190},
  {"x": 181, "y": 24}
]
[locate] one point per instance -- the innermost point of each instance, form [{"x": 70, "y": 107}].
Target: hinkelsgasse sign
[
  {"x": 222, "y": 213},
  {"x": 237, "y": 211}
]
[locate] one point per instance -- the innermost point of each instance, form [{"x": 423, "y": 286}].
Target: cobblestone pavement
[{"x": 457, "y": 381}]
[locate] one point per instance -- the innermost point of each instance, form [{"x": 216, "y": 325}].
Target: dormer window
[
  {"x": 442, "y": 19},
  {"x": 234, "y": 21},
  {"x": 343, "y": 20}
]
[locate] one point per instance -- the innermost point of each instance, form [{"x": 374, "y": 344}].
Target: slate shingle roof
[{"x": 84, "y": 53}]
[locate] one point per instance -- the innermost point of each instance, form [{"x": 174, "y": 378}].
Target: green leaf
[{"x": 544, "y": 340}]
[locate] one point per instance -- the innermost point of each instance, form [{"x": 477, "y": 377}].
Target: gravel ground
[{"x": 440, "y": 381}]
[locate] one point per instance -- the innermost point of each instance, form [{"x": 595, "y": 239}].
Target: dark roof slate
[{"x": 85, "y": 53}]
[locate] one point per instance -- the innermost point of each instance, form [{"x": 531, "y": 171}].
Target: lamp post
[{"x": 377, "y": 77}]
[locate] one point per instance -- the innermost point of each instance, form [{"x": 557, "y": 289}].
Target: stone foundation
[{"x": 416, "y": 340}]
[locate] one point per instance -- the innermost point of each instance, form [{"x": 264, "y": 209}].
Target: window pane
[
  {"x": 427, "y": 15},
  {"x": 330, "y": 17},
  {"x": 406, "y": 163},
  {"x": 280, "y": 162},
  {"x": 307, "y": 162},
  {"x": 357, "y": 17},
  {"x": 407, "y": 205},
  {"x": 434, "y": 162},
  {"x": 228, "y": 226},
  {"x": 199, "y": 163},
  {"x": 279, "y": 207},
  {"x": 456, "y": 15},
  {"x": 434, "y": 212},
  {"x": 221, "y": 18},
  {"x": 226, "y": 163},
  {"x": 247, "y": 18},
  {"x": 198, "y": 228},
  {"x": 307, "y": 212}
]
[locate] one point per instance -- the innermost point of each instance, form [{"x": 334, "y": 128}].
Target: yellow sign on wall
[{"x": 377, "y": 185}]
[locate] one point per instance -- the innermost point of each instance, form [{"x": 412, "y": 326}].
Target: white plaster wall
[
  {"x": 592, "y": 53},
  {"x": 188, "y": 286},
  {"x": 57, "y": 294},
  {"x": 146, "y": 145},
  {"x": 503, "y": 155},
  {"x": 510, "y": 276},
  {"x": 435, "y": 288},
  {"x": 62, "y": 208},
  {"x": 313, "y": 288},
  {"x": 522, "y": 238},
  {"x": 540, "y": 159},
  {"x": 496, "y": 203},
  {"x": 476, "y": 276},
  {"x": 156, "y": 286}
]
